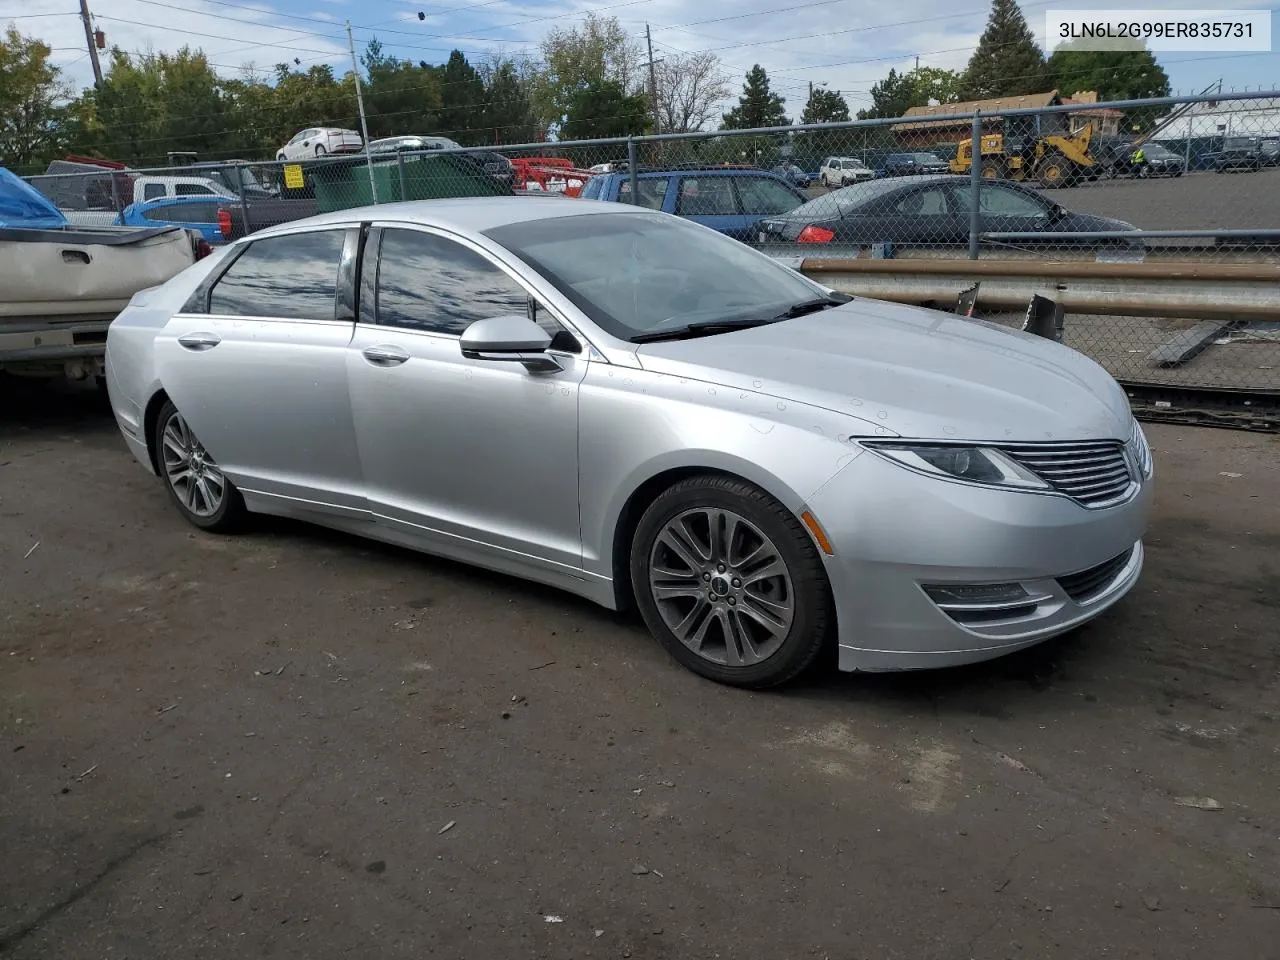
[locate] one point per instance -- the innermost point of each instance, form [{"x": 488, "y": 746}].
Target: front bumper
[{"x": 894, "y": 531}]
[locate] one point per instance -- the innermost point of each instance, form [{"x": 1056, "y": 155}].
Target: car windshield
[
  {"x": 1237, "y": 143},
  {"x": 926, "y": 158},
  {"x": 839, "y": 203},
  {"x": 640, "y": 273},
  {"x": 1155, "y": 150}
]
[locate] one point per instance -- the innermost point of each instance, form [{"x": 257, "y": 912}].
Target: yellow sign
[{"x": 293, "y": 176}]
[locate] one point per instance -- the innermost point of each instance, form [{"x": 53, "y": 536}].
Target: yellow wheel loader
[{"x": 1052, "y": 160}]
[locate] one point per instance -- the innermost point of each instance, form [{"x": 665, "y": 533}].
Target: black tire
[
  {"x": 813, "y": 621},
  {"x": 320, "y": 150},
  {"x": 229, "y": 512}
]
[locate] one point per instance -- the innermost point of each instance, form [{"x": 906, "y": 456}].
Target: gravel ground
[{"x": 296, "y": 744}]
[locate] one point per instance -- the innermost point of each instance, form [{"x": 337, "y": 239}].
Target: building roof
[{"x": 917, "y": 115}]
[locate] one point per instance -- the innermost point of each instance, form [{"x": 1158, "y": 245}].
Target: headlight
[
  {"x": 1140, "y": 451},
  {"x": 972, "y": 464}
]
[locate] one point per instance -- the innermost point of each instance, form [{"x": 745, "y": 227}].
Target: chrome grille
[
  {"x": 1087, "y": 584},
  {"x": 1093, "y": 473}
]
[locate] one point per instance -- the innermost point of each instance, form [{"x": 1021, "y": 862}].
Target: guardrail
[{"x": 1197, "y": 291}]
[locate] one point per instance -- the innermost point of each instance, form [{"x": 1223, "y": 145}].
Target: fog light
[{"x": 976, "y": 594}]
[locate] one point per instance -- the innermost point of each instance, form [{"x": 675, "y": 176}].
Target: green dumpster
[{"x": 343, "y": 184}]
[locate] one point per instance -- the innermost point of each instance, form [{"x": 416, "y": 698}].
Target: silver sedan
[{"x": 636, "y": 409}]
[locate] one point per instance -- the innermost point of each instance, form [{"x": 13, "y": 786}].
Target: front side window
[
  {"x": 706, "y": 197},
  {"x": 192, "y": 190},
  {"x": 294, "y": 276},
  {"x": 152, "y": 191},
  {"x": 653, "y": 192},
  {"x": 633, "y": 273},
  {"x": 763, "y": 197},
  {"x": 431, "y": 283}
]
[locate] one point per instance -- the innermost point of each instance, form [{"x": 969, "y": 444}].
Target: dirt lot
[{"x": 294, "y": 744}]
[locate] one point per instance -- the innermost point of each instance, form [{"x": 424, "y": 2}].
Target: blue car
[
  {"x": 211, "y": 218},
  {"x": 730, "y": 200}
]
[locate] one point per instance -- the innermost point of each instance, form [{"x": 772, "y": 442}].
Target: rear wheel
[
  {"x": 196, "y": 483},
  {"x": 320, "y": 150},
  {"x": 730, "y": 583},
  {"x": 993, "y": 170}
]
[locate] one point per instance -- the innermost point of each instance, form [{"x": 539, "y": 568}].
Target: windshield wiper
[
  {"x": 705, "y": 328},
  {"x": 813, "y": 306}
]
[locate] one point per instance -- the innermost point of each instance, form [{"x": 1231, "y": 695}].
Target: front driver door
[{"x": 472, "y": 458}]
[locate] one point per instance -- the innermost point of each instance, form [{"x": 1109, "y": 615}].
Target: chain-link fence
[{"x": 1116, "y": 205}]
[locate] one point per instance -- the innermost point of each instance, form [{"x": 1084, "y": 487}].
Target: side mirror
[{"x": 511, "y": 338}]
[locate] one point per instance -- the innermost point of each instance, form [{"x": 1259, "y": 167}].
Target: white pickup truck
[{"x": 61, "y": 285}]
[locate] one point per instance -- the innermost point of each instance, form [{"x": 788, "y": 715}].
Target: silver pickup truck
[
  {"x": 60, "y": 288},
  {"x": 61, "y": 284}
]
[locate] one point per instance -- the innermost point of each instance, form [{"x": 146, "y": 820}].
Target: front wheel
[
  {"x": 196, "y": 484},
  {"x": 730, "y": 583}
]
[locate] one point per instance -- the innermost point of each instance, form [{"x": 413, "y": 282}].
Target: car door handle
[
  {"x": 199, "y": 341},
  {"x": 385, "y": 355}
]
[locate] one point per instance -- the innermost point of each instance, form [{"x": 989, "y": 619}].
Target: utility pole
[
  {"x": 93, "y": 46},
  {"x": 810, "y": 89},
  {"x": 364, "y": 126},
  {"x": 653, "y": 82},
  {"x": 917, "y": 61}
]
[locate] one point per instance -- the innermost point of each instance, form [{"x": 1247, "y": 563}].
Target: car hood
[{"x": 912, "y": 372}]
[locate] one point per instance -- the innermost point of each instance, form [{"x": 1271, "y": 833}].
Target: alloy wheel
[
  {"x": 722, "y": 586},
  {"x": 195, "y": 479}
]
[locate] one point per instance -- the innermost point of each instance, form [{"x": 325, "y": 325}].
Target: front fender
[{"x": 636, "y": 425}]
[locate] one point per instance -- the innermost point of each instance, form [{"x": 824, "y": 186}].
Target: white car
[
  {"x": 317, "y": 141},
  {"x": 842, "y": 171}
]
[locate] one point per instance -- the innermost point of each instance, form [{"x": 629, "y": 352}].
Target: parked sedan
[
  {"x": 643, "y": 412},
  {"x": 318, "y": 141},
  {"x": 927, "y": 210}
]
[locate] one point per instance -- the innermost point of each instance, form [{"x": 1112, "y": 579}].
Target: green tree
[
  {"x": 31, "y": 119},
  {"x": 890, "y": 97},
  {"x": 758, "y": 106},
  {"x": 579, "y": 60},
  {"x": 935, "y": 83},
  {"x": 825, "y": 106},
  {"x": 508, "y": 112},
  {"x": 1007, "y": 62},
  {"x": 462, "y": 93},
  {"x": 604, "y": 109},
  {"x": 1126, "y": 73}
]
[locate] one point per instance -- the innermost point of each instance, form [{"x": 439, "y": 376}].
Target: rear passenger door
[{"x": 256, "y": 363}]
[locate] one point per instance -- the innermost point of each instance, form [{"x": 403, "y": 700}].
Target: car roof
[{"x": 473, "y": 214}]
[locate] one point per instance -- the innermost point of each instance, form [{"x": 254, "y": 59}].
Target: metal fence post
[
  {"x": 631, "y": 165},
  {"x": 244, "y": 197},
  {"x": 404, "y": 194},
  {"x": 975, "y": 184}
]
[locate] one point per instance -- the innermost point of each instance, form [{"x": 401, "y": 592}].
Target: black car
[
  {"x": 1161, "y": 162},
  {"x": 1239, "y": 153},
  {"x": 1269, "y": 152},
  {"x": 913, "y": 164},
  {"x": 931, "y": 211}
]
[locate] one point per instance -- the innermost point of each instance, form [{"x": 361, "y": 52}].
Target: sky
[{"x": 845, "y": 45}]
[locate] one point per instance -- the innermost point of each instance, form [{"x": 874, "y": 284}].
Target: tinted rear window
[{"x": 294, "y": 276}]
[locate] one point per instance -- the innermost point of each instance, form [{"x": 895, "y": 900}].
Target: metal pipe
[
  {"x": 1271, "y": 234},
  {"x": 364, "y": 125},
  {"x": 244, "y": 199},
  {"x": 400, "y": 163},
  {"x": 975, "y": 184},
  {"x": 631, "y": 164}
]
